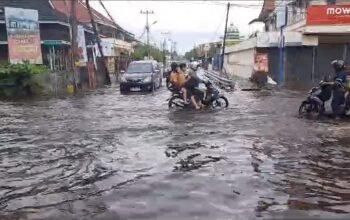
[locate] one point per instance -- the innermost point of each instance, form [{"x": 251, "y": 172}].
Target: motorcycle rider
[
  {"x": 173, "y": 69},
  {"x": 338, "y": 89},
  {"x": 192, "y": 82},
  {"x": 178, "y": 79}
]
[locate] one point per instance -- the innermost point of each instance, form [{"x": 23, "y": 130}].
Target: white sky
[{"x": 190, "y": 22}]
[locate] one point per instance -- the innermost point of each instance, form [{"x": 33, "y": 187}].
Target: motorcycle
[
  {"x": 210, "y": 97},
  {"x": 318, "y": 96}
]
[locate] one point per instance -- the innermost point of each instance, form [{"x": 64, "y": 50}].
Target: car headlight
[
  {"x": 147, "y": 79},
  {"x": 123, "y": 79}
]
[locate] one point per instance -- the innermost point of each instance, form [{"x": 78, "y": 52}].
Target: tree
[
  {"x": 140, "y": 52},
  {"x": 191, "y": 54}
]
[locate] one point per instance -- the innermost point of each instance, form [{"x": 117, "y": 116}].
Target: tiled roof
[
  {"x": 45, "y": 9},
  {"x": 268, "y": 7},
  {"x": 83, "y": 15},
  {"x": 64, "y": 6}
]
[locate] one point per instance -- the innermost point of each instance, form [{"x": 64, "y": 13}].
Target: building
[
  {"x": 54, "y": 31},
  {"x": 300, "y": 39},
  {"x": 54, "y": 16},
  {"x": 213, "y": 50},
  {"x": 114, "y": 37}
]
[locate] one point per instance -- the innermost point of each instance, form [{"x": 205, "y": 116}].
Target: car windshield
[{"x": 140, "y": 68}]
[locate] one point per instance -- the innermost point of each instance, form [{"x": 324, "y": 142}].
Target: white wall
[
  {"x": 244, "y": 45},
  {"x": 240, "y": 63}
]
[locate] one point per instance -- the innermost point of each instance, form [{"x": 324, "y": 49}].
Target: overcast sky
[{"x": 190, "y": 22}]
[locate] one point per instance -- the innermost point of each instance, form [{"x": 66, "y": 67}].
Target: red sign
[
  {"x": 328, "y": 14},
  {"x": 261, "y": 62}
]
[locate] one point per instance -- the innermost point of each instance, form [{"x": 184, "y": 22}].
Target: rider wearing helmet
[
  {"x": 339, "y": 91},
  {"x": 340, "y": 70},
  {"x": 192, "y": 82}
]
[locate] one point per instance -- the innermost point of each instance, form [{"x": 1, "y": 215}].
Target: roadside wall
[
  {"x": 52, "y": 83},
  {"x": 240, "y": 63}
]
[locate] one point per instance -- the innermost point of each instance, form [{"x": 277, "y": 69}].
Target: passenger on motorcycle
[
  {"x": 339, "y": 91},
  {"x": 178, "y": 79}
]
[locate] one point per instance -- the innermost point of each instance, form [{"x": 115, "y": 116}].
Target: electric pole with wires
[
  {"x": 147, "y": 13},
  {"x": 74, "y": 48},
  {"x": 225, "y": 33},
  {"x": 98, "y": 41},
  {"x": 164, "y": 45}
]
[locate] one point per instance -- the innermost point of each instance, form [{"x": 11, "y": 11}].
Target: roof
[
  {"x": 45, "y": 9},
  {"x": 267, "y": 8},
  {"x": 82, "y": 13}
]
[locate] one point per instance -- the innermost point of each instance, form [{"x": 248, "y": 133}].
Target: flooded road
[{"x": 111, "y": 156}]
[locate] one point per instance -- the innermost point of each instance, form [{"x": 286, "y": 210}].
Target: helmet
[
  {"x": 194, "y": 65},
  {"x": 338, "y": 64},
  {"x": 173, "y": 66}
]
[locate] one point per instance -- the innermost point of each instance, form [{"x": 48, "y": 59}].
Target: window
[{"x": 331, "y": 2}]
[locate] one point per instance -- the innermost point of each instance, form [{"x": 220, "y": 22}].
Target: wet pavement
[{"x": 110, "y": 156}]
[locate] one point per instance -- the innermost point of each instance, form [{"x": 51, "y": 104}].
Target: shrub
[{"x": 17, "y": 77}]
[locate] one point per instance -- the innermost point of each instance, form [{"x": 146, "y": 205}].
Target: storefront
[{"x": 56, "y": 54}]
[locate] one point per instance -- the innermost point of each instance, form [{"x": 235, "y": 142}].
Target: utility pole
[
  {"x": 171, "y": 48},
  {"x": 225, "y": 33},
  {"x": 97, "y": 38},
  {"x": 147, "y": 12},
  {"x": 174, "y": 50},
  {"x": 164, "y": 44},
  {"x": 74, "y": 48}
]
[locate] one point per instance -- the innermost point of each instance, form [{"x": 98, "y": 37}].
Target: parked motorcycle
[{"x": 210, "y": 97}]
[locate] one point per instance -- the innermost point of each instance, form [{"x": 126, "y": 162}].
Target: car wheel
[{"x": 153, "y": 87}]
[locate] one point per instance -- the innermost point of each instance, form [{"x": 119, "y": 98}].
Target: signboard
[
  {"x": 281, "y": 17},
  {"x": 267, "y": 39},
  {"x": 328, "y": 14},
  {"x": 261, "y": 63},
  {"x": 23, "y": 35},
  {"x": 110, "y": 64},
  {"x": 81, "y": 46},
  {"x": 107, "y": 47},
  {"x": 206, "y": 47}
]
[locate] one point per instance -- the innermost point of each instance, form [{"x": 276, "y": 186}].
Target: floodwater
[{"x": 110, "y": 156}]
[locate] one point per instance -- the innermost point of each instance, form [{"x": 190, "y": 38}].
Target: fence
[{"x": 219, "y": 80}]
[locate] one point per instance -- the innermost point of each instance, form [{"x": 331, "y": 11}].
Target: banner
[
  {"x": 23, "y": 35},
  {"x": 261, "y": 63},
  {"x": 328, "y": 14},
  {"x": 81, "y": 46},
  {"x": 107, "y": 48}
]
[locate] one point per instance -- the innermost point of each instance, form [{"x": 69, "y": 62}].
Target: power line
[{"x": 217, "y": 29}]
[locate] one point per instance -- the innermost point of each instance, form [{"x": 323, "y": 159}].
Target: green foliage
[
  {"x": 140, "y": 53},
  {"x": 16, "y": 78},
  {"x": 191, "y": 54},
  {"x": 21, "y": 70}
]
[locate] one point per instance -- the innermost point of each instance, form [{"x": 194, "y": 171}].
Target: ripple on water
[{"x": 107, "y": 156}]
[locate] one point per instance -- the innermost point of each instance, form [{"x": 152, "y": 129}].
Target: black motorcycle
[
  {"x": 315, "y": 102},
  {"x": 211, "y": 97}
]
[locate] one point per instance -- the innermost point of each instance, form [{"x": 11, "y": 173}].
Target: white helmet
[{"x": 194, "y": 65}]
